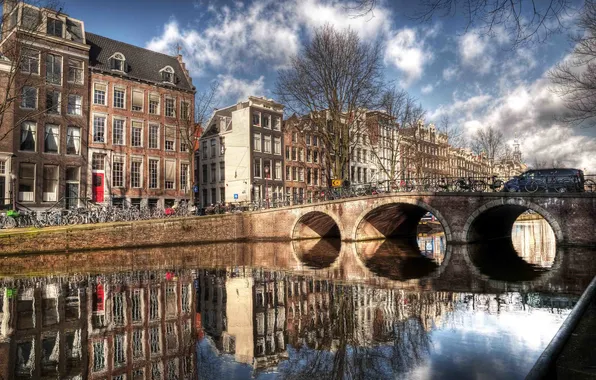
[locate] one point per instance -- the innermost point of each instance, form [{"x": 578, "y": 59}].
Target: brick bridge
[{"x": 466, "y": 218}]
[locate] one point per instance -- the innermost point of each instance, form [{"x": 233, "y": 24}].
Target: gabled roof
[{"x": 141, "y": 64}]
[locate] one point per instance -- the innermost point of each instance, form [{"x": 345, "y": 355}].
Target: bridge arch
[
  {"x": 316, "y": 224},
  {"x": 481, "y": 225},
  {"x": 395, "y": 217}
]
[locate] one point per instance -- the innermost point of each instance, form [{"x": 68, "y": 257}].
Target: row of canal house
[{"x": 92, "y": 117}]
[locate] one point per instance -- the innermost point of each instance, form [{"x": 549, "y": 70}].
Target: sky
[{"x": 477, "y": 80}]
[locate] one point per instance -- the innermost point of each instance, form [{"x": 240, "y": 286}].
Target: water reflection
[
  {"x": 534, "y": 241},
  {"x": 317, "y": 253}
]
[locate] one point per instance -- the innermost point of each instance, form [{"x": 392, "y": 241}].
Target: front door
[
  {"x": 3, "y": 198},
  {"x": 72, "y": 195},
  {"x": 97, "y": 187}
]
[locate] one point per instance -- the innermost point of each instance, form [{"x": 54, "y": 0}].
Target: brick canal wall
[{"x": 146, "y": 233}]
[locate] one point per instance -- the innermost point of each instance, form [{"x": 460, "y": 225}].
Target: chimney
[{"x": 183, "y": 65}]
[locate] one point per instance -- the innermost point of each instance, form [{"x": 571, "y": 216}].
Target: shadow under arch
[
  {"x": 398, "y": 260},
  {"x": 495, "y": 219},
  {"x": 317, "y": 253},
  {"x": 395, "y": 219},
  {"x": 316, "y": 225}
]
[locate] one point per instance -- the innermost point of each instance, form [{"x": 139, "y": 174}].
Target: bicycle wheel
[
  {"x": 589, "y": 186},
  {"x": 497, "y": 185},
  {"x": 563, "y": 186},
  {"x": 479, "y": 186},
  {"x": 532, "y": 186}
]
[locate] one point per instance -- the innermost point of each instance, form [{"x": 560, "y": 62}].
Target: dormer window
[
  {"x": 54, "y": 27},
  {"x": 117, "y": 62},
  {"x": 167, "y": 74}
]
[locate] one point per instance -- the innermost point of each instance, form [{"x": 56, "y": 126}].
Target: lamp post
[
  {"x": 13, "y": 178},
  {"x": 267, "y": 185}
]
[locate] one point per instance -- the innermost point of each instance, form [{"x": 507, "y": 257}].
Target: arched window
[
  {"x": 117, "y": 62},
  {"x": 167, "y": 74}
]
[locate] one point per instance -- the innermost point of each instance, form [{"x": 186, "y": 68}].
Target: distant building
[
  {"x": 142, "y": 103},
  {"x": 241, "y": 153}
]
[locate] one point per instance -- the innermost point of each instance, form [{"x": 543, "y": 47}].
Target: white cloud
[
  {"x": 233, "y": 89},
  {"x": 407, "y": 52},
  {"x": 474, "y": 52},
  {"x": 427, "y": 89},
  {"x": 450, "y": 73}
]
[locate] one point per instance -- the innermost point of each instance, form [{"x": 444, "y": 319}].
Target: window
[
  {"x": 52, "y": 138},
  {"x": 277, "y": 170},
  {"x": 185, "y": 299},
  {"x": 153, "y": 174},
  {"x": 315, "y": 156},
  {"x": 138, "y": 100},
  {"x": 53, "y": 102},
  {"x": 205, "y": 173},
  {"x": 256, "y": 119},
  {"x": 171, "y": 336},
  {"x": 119, "y": 350},
  {"x": 97, "y": 161},
  {"x": 213, "y": 147},
  {"x": 277, "y": 123},
  {"x": 170, "y": 174},
  {"x": 73, "y": 140},
  {"x": 167, "y": 74},
  {"x": 154, "y": 304},
  {"x": 26, "y": 182},
  {"x": 170, "y": 139},
  {"x": 257, "y": 168},
  {"x": 118, "y": 132},
  {"x": 267, "y": 145},
  {"x": 75, "y": 71},
  {"x": 301, "y": 174},
  {"x": 135, "y": 173},
  {"x": 205, "y": 149},
  {"x": 294, "y": 173},
  {"x": 170, "y": 107},
  {"x": 184, "y": 176},
  {"x": 288, "y": 174},
  {"x": 75, "y": 105},
  {"x": 156, "y": 371},
  {"x": 99, "y": 93},
  {"x": 222, "y": 171},
  {"x": 213, "y": 179},
  {"x": 29, "y": 97},
  {"x": 301, "y": 155},
  {"x": 28, "y": 136},
  {"x": 137, "y": 344},
  {"x": 54, "y": 27},
  {"x": 256, "y": 141},
  {"x": 118, "y": 171},
  {"x": 30, "y": 61},
  {"x": 316, "y": 177},
  {"x": 99, "y": 361},
  {"x": 184, "y": 108},
  {"x": 118, "y": 309},
  {"x": 99, "y": 128},
  {"x": 294, "y": 154},
  {"x": 266, "y": 121},
  {"x": 50, "y": 183},
  {"x": 294, "y": 137},
  {"x": 154, "y": 104},
  {"x": 119, "y": 96},
  {"x": 154, "y": 340},
  {"x": 277, "y": 145},
  {"x": 136, "y": 134},
  {"x": 54, "y": 69},
  {"x": 288, "y": 153},
  {"x": 308, "y": 176},
  {"x": 154, "y": 136},
  {"x": 117, "y": 62}
]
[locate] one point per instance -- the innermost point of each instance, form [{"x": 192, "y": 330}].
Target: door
[
  {"x": 97, "y": 187},
  {"x": 72, "y": 195},
  {"x": 3, "y": 198}
]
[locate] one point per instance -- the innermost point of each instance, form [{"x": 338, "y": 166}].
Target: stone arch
[
  {"x": 315, "y": 224},
  {"x": 316, "y": 253},
  {"x": 408, "y": 209},
  {"x": 481, "y": 225}
]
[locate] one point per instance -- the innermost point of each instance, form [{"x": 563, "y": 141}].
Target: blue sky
[{"x": 475, "y": 79}]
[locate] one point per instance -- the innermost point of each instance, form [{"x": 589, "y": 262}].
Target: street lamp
[
  {"x": 267, "y": 185},
  {"x": 13, "y": 178}
]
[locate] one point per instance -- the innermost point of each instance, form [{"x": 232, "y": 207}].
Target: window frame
[
  {"x": 56, "y": 136},
  {"x": 119, "y": 159},
  {"x": 157, "y": 135},
  {"x": 28, "y": 59},
  {"x": 136, "y": 124},
  {"x": 61, "y": 59},
  {"x": 93, "y": 130},
  {"x": 73, "y": 128},
  {"x": 120, "y": 89},
  {"x": 122, "y": 131},
  {"x": 72, "y": 67},
  {"x": 156, "y": 161},
  {"x": 105, "y": 93},
  {"x": 136, "y": 160},
  {"x": 173, "y": 109},
  {"x": 76, "y": 107},
  {"x": 132, "y": 100},
  {"x": 34, "y": 133},
  {"x": 23, "y": 97},
  {"x": 158, "y": 108}
]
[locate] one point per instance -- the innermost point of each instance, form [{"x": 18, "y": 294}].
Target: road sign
[
  {"x": 235, "y": 196},
  {"x": 336, "y": 183}
]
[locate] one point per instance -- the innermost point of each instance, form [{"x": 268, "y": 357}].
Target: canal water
[{"x": 316, "y": 309}]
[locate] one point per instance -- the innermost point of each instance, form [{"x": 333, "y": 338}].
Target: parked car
[{"x": 547, "y": 180}]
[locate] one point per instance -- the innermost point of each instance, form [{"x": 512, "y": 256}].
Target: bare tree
[
  {"x": 332, "y": 82},
  {"x": 575, "y": 79},
  {"x": 386, "y": 131},
  {"x": 489, "y": 141},
  {"x": 524, "y": 21},
  {"x": 192, "y": 122}
]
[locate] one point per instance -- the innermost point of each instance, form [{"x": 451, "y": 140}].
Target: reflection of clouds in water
[{"x": 534, "y": 241}]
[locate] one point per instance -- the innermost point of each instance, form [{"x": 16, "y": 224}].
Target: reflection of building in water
[
  {"x": 43, "y": 330},
  {"x": 245, "y": 314},
  {"x": 140, "y": 326},
  {"x": 432, "y": 246},
  {"x": 534, "y": 241}
]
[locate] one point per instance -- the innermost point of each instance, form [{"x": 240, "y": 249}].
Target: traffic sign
[
  {"x": 336, "y": 183},
  {"x": 235, "y": 196}
]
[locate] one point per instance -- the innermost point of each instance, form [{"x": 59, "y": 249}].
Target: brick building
[
  {"x": 304, "y": 161},
  {"x": 241, "y": 153},
  {"x": 141, "y": 105},
  {"x": 43, "y": 130}
]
